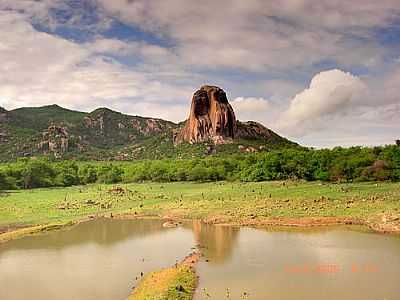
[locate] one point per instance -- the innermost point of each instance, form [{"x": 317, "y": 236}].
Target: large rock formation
[
  {"x": 211, "y": 118},
  {"x": 55, "y": 140}
]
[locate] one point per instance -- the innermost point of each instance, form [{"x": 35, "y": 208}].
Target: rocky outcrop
[
  {"x": 149, "y": 126},
  {"x": 253, "y": 130},
  {"x": 106, "y": 121},
  {"x": 55, "y": 140},
  {"x": 106, "y": 134},
  {"x": 211, "y": 118},
  {"x": 3, "y": 115}
]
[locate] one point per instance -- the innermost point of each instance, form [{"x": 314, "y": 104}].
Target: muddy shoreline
[{"x": 384, "y": 224}]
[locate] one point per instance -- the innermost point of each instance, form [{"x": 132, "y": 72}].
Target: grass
[
  {"x": 175, "y": 283},
  {"x": 234, "y": 201},
  {"x": 20, "y": 232}
]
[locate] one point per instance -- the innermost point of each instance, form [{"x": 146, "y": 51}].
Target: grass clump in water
[{"x": 175, "y": 283}]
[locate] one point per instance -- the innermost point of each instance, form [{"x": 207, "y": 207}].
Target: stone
[
  {"x": 3, "y": 115},
  {"x": 211, "y": 118}
]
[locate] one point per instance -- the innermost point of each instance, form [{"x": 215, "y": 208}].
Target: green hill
[{"x": 104, "y": 134}]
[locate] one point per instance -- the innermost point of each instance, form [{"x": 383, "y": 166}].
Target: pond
[{"x": 105, "y": 259}]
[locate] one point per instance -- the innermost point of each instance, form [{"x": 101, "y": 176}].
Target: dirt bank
[
  {"x": 177, "y": 282},
  {"x": 382, "y": 223}
]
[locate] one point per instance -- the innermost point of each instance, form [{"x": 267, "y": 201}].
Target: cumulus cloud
[
  {"x": 250, "y": 105},
  {"x": 330, "y": 93},
  {"x": 256, "y": 109},
  {"x": 339, "y": 108},
  {"x": 39, "y": 68},
  {"x": 255, "y": 35},
  {"x": 263, "y": 49}
]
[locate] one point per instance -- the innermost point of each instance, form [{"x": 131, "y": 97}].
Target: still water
[{"x": 103, "y": 260}]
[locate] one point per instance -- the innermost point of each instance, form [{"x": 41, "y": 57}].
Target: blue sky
[{"x": 323, "y": 73}]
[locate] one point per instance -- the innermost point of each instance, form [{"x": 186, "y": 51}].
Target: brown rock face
[
  {"x": 3, "y": 115},
  {"x": 211, "y": 118},
  {"x": 55, "y": 140}
]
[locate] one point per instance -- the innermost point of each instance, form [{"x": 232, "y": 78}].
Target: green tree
[
  {"x": 38, "y": 173},
  {"x": 67, "y": 174},
  {"x": 110, "y": 174},
  {"x": 87, "y": 174}
]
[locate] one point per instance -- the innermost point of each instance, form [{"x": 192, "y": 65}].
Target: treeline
[
  {"x": 27, "y": 174},
  {"x": 338, "y": 164}
]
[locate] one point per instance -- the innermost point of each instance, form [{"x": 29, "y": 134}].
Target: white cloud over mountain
[
  {"x": 39, "y": 68},
  {"x": 308, "y": 69},
  {"x": 330, "y": 93}
]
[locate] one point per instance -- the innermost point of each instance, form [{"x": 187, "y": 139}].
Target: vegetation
[
  {"x": 354, "y": 164},
  {"x": 224, "y": 201},
  {"x": 58, "y": 133},
  {"x": 21, "y": 232},
  {"x": 175, "y": 283}
]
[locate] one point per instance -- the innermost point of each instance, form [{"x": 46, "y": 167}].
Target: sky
[{"x": 323, "y": 73}]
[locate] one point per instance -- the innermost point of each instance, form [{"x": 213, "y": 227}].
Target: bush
[
  {"x": 87, "y": 174},
  {"x": 6, "y": 182},
  {"x": 109, "y": 174},
  {"x": 67, "y": 174}
]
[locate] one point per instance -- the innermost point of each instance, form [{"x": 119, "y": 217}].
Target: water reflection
[
  {"x": 99, "y": 260},
  {"x": 106, "y": 233},
  {"x": 263, "y": 261},
  {"x": 215, "y": 241},
  {"x": 103, "y": 259}
]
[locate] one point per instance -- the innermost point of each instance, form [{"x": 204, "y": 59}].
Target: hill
[{"x": 104, "y": 134}]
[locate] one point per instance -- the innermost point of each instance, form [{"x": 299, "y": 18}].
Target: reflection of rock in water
[
  {"x": 218, "y": 241},
  {"x": 105, "y": 232}
]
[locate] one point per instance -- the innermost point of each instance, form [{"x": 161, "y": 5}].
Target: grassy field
[{"x": 221, "y": 200}]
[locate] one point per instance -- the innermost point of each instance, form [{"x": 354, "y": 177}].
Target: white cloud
[
  {"x": 391, "y": 86},
  {"x": 283, "y": 41},
  {"x": 39, "y": 68},
  {"x": 256, "y": 34},
  {"x": 330, "y": 92},
  {"x": 256, "y": 109},
  {"x": 337, "y": 109},
  {"x": 37, "y": 11},
  {"x": 250, "y": 104},
  {"x": 82, "y": 14},
  {"x": 340, "y": 109}
]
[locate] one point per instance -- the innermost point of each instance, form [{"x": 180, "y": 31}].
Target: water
[
  {"x": 103, "y": 258},
  {"x": 95, "y": 260},
  {"x": 312, "y": 264}
]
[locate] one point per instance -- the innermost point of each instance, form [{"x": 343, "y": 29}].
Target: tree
[
  {"x": 110, "y": 174},
  {"x": 4, "y": 183},
  {"x": 87, "y": 174},
  {"x": 38, "y": 173},
  {"x": 67, "y": 174},
  {"x": 198, "y": 173}
]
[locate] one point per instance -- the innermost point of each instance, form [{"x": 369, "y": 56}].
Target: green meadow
[{"x": 232, "y": 201}]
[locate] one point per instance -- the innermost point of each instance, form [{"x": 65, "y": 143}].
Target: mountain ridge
[{"x": 105, "y": 134}]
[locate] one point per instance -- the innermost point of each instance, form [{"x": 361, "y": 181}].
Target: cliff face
[
  {"x": 211, "y": 118},
  {"x": 54, "y": 140}
]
